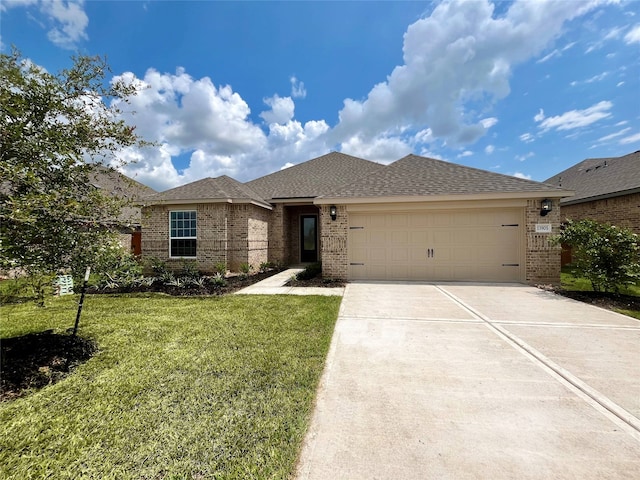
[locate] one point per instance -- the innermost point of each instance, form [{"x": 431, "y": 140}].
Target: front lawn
[
  {"x": 187, "y": 388},
  {"x": 626, "y": 302}
]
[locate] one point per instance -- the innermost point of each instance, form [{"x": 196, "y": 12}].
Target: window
[{"x": 182, "y": 234}]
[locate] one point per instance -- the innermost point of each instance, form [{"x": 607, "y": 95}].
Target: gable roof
[
  {"x": 415, "y": 176},
  {"x": 314, "y": 177},
  {"x": 595, "y": 178},
  {"x": 222, "y": 189}
]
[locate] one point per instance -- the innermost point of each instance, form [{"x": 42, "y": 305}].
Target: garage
[{"x": 478, "y": 244}]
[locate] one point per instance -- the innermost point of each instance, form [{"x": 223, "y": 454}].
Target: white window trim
[{"x": 183, "y": 238}]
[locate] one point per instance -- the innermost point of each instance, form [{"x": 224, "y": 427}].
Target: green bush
[
  {"x": 604, "y": 254},
  {"x": 310, "y": 271},
  {"x": 221, "y": 268}
]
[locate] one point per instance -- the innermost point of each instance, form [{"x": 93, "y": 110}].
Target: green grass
[
  {"x": 580, "y": 284},
  {"x": 181, "y": 388}
]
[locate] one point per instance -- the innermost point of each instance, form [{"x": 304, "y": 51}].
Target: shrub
[
  {"x": 310, "y": 271},
  {"x": 605, "y": 255},
  {"x": 189, "y": 270},
  {"x": 265, "y": 267},
  {"x": 218, "y": 280},
  {"x": 245, "y": 269},
  {"x": 221, "y": 268}
]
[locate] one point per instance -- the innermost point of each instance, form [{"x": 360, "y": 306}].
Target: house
[
  {"x": 128, "y": 223},
  {"x": 415, "y": 219},
  {"x": 606, "y": 190}
]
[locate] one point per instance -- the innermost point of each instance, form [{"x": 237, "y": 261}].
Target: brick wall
[
  {"x": 542, "y": 262},
  {"x": 276, "y": 234},
  {"x": 227, "y": 233},
  {"x": 623, "y": 211},
  {"x": 333, "y": 242}
]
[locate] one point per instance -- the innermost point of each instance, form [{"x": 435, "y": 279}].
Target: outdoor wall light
[
  {"x": 333, "y": 211},
  {"x": 545, "y": 207}
]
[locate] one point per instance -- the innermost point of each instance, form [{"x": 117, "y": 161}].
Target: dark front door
[{"x": 309, "y": 238}]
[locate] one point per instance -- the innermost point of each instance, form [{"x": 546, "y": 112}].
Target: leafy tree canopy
[
  {"x": 604, "y": 254},
  {"x": 55, "y": 129}
]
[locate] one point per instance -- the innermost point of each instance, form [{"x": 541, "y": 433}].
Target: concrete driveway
[{"x": 455, "y": 381}]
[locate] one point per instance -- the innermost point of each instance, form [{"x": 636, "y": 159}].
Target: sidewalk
[{"x": 275, "y": 285}]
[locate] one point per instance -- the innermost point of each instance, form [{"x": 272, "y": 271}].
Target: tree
[
  {"x": 604, "y": 254},
  {"x": 54, "y": 130}
]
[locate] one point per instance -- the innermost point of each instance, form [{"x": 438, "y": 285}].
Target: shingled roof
[
  {"x": 595, "y": 178},
  {"x": 210, "y": 190},
  {"x": 315, "y": 177},
  {"x": 115, "y": 184},
  {"x": 420, "y": 176}
]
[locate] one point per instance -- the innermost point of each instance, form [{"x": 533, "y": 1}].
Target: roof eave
[
  {"x": 442, "y": 198},
  {"x": 192, "y": 201},
  {"x": 604, "y": 196}
]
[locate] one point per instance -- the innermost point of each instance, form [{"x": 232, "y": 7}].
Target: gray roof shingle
[
  {"x": 420, "y": 176},
  {"x": 314, "y": 177},
  {"x": 222, "y": 189},
  {"x": 598, "y": 177}
]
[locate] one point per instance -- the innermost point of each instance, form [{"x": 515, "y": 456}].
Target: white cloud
[
  {"x": 553, "y": 54},
  {"x": 527, "y": 137},
  {"x": 281, "y": 110},
  {"x": 461, "y": 52},
  {"x": 381, "y": 149},
  {"x": 575, "y": 118},
  {"x": 522, "y": 175},
  {"x": 487, "y": 123},
  {"x": 70, "y": 21},
  {"x": 287, "y": 165},
  {"x": 522, "y": 158},
  {"x": 614, "y": 135},
  {"x": 619, "y": 84},
  {"x": 539, "y": 116},
  {"x": 210, "y": 127},
  {"x": 630, "y": 139},
  {"x": 489, "y": 149},
  {"x": 633, "y": 35},
  {"x": 297, "y": 88},
  {"x": 466, "y": 153},
  {"x": 67, "y": 19}
]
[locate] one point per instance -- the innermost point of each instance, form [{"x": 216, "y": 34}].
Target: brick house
[
  {"x": 415, "y": 219},
  {"x": 606, "y": 190}
]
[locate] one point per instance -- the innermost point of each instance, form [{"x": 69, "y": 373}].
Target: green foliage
[
  {"x": 245, "y": 269},
  {"x": 189, "y": 270},
  {"x": 604, "y": 254},
  {"x": 265, "y": 267},
  {"x": 52, "y": 218},
  {"x": 221, "y": 268},
  {"x": 219, "y": 280},
  {"x": 310, "y": 271}
]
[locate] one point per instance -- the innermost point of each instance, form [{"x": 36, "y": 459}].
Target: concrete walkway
[
  {"x": 475, "y": 381},
  {"x": 275, "y": 285}
]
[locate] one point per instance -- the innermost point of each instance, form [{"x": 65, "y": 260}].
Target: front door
[{"x": 308, "y": 238}]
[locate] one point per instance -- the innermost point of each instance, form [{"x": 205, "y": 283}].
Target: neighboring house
[
  {"x": 416, "y": 219},
  {"x": 128, "y": 224},
  {"x": 606, "y": 190}
]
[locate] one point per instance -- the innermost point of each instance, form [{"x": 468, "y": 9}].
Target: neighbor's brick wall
[
  {"x": 333, "y": 242},
  {"x": 542, "y": 256},
  {"x": 212, "y": 234},
  {"x": 623, "y": 211}
]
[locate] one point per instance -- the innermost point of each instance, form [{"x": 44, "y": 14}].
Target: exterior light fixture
[
  {"x": 545, "y": 207},
  {"x": 333, "y": 211}
]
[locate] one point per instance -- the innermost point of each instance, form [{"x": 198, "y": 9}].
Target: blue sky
[{"x": 525, "y": 88}]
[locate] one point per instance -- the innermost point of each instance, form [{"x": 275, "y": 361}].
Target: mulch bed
[
  {"x": 610, "y": 301},
  {"x": 36, "y": 360},
  {"x": 316, "y": 282}
]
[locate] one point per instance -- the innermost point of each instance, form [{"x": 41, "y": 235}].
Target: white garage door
[{"x": 474, "y": 245}]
